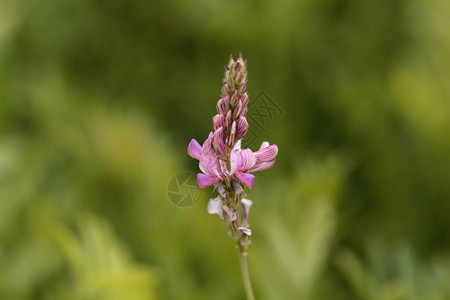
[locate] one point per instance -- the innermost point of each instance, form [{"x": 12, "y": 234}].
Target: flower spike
[{"x": 228, "y": 167}]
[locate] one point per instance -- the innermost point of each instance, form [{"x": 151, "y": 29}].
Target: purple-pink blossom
[
  {"x": 221, "y": 158},
  {"x": 243, "y": 162}
]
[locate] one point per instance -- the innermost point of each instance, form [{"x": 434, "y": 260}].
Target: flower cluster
[
  {"x": 221, "y": 157},
  {"x": 222, "y": 161}
]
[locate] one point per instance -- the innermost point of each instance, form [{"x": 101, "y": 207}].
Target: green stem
[{"x": 245, "y": 274}]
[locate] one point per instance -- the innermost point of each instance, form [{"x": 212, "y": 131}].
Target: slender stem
[{"x": 245, "y": 274}]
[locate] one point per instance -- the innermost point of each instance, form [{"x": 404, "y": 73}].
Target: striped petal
[
  {"x": 218, "y": 121},
  {"x": 204, "y": 180},
  {"x": 247, "y": 179},
  {"x": 241, "y": 127},
  {"x": 247, "y": 160},
  {"x": 266, "y": 153},
  {"x": 261, "y": 166},
  {"x": 195, "y": 150},
  {"x": 209, "y": 164},
  {"x": 218, "y": 141}
]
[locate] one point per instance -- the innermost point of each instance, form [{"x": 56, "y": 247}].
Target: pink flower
[
  {"x": 243, "y": 162},
  {"x": 221, "y": 158},
  {"x": 209, "y": 162}
]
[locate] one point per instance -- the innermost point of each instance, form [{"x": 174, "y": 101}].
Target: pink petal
[
  {"x": 204, "y": 180},
  {"x": 244, "y": 100},
  {"x": 247, "y": 160},
  {"x": 195, "y": 150},
  {"x": 218, "y": 139},
  {"x": 219, "y": 106},
  {"x": 209, "y": 163},
  {"x": 267, "y": 153},
  {"x": 247, "y": 179},
  {"x": 218, "y": 121},
  {"x": 206, "y": 148},
  {"x": 241, "y": 128},
  {"x": 264, "y": 145},
  {"x": 228, "y": 120},
  {"x": 235, "y": 158},
  {"x": 261, "y": 166}
]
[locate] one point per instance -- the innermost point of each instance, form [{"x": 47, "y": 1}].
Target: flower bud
[
  {"x": 231, "y": 85},
  {"x": 244, "y": 112},
  {"x": 228, "y": 119},
  {"x": 219, "y": 106},
  {"x": 237, "y": 67},
  {"x": 241, "y": 59},
  {"x": 234, "y": 99},
  {"x": 244, "y": 100},
  {"x": 224, "y": 91},
  {"x": 237, "y": 187},
  {"x": 227, "y": 76},
  {"x": 246, "y": 205},
  {"x": 239, "y": 76},
  {"x": 243, "y": 87},
  {"x": 232, "y": 136},
  {"x": 231, "y": 61},
  {"x": 218, "y": 121},
  {"x": 226, "y": 104},
  {"x": 241, "y": 127},
  {"x": 237, "y": 110},
  {"x": 245, "y": 231},
  {"x": 232, "y": 71}
]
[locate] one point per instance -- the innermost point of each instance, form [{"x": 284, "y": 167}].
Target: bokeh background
[{"x": 99, "y": 99}]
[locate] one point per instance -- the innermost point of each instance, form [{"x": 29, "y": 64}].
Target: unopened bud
[
  {"x": 241, "y": 58},
  {"x": 238, "y": 76},
  {"x": 224, "y": 90},
  {"x": 218, "y": 121},
  {"x": 241, "y": 127},
  {"x": 227, "y": 76},
  {"x": 227, "y": 123},
  {"x": 244, "y": 99},
  {"x": 219, "y": 106},
  {"x": 232, "y": 136},
  {"x": 243, "y": 87},
  {"x": 246, "y": 205},
  {"x": 237, "y": 187},
  {"x": 231, "y": 85},
  {"x": 226, "y": 104},
  {"x": 234, "y": 99},
  {"x": 237, "y": 110},
  {"x": 245, "y": 231},
  {"x": 232, "y": 71},
  {"x": 231, "y": 61},
  {"x": 244, "y": 112},
  {"x": 237, "y": 67}
]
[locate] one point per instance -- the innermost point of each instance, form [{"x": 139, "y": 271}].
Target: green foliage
[{"x": 99, "y": 99}]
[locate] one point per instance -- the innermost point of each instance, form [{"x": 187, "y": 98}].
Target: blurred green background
[{"x": 99, "y": 99}]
